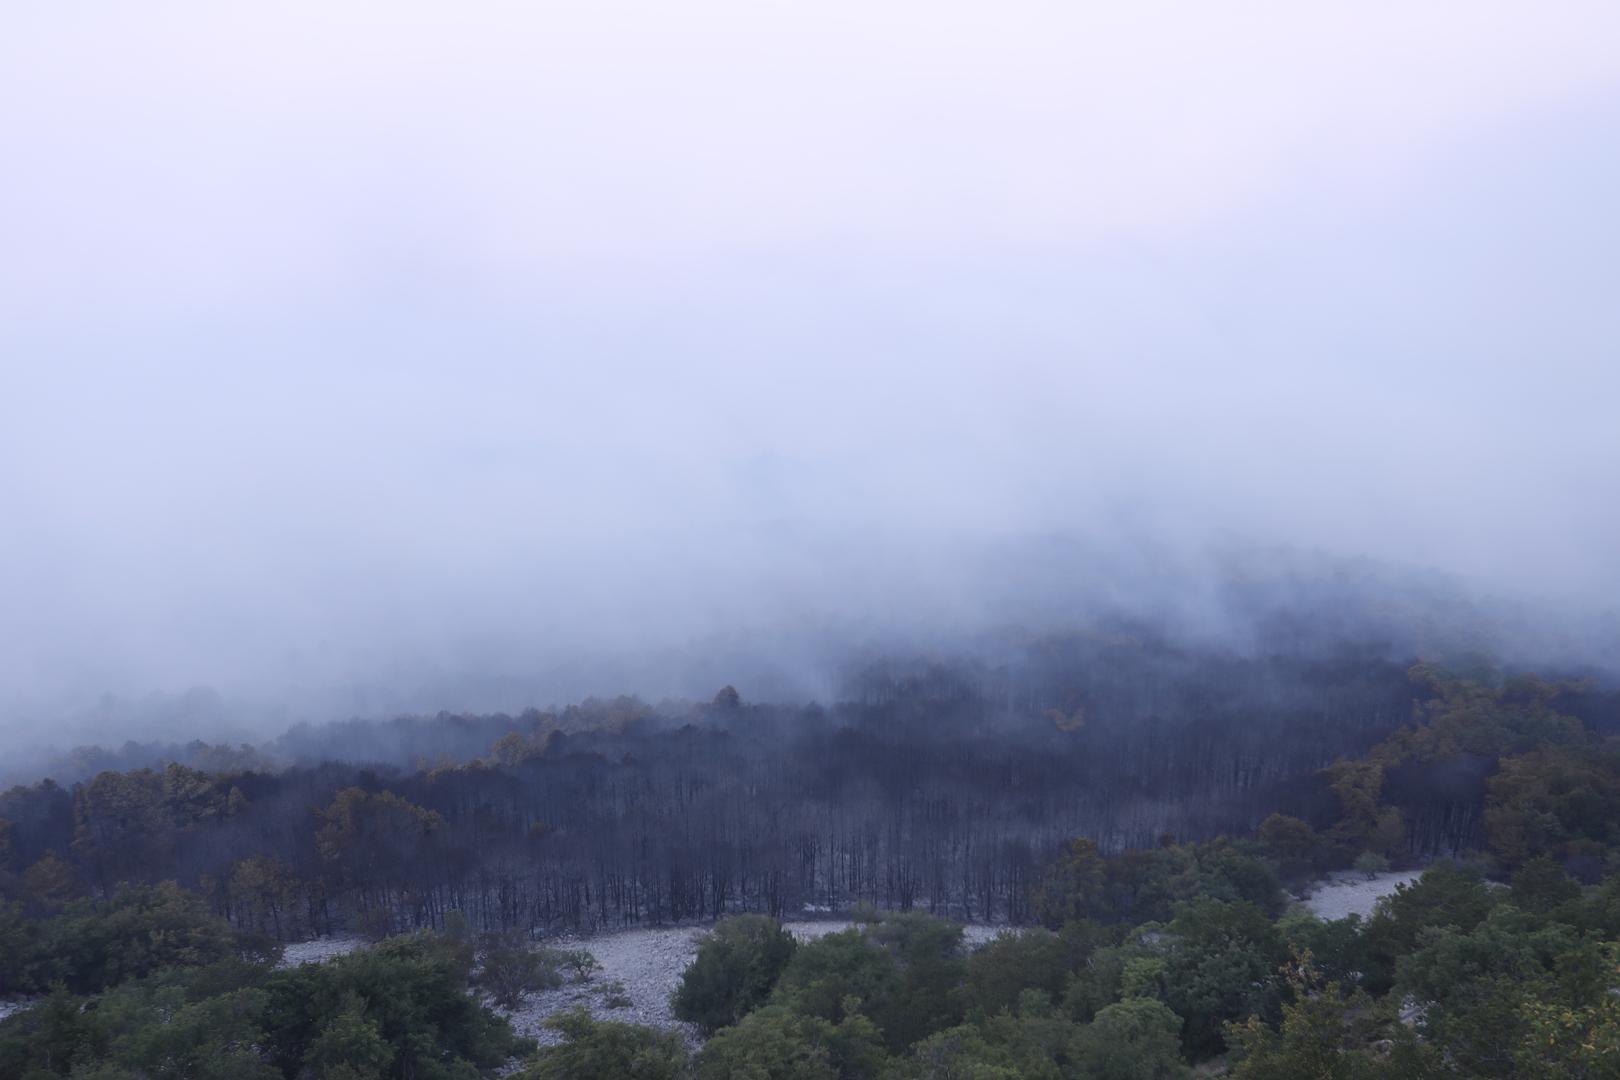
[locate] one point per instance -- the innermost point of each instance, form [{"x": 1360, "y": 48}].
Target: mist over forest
[
  {"x": 595, "y": 428},
  {"x": 1237, "y": 601},
  {"x": 1037, "y": 541}
]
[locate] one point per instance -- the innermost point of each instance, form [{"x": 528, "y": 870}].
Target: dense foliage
[
  {"x": 143, "y": 909},
  {"x": 397, "y": 1010},
  {"x": 736, "y": 967},
  {"x": 1451, "y": 977},
  {"x": 1160, "y": 958},
  {"x": 942, "y": 786}
]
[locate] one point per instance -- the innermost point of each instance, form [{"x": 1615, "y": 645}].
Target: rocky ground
[
  {"x": 640, "y": 970},
  {"x": 1350, "y": 893},
  {"x": 319, "y": 950}
]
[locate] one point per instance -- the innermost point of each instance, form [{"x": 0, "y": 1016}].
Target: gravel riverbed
[
  {"x": 647, "y": 964},
  {"x": 639, "y": 971},
  {"x": 1350, "y": 893},
  {"x": 641, "y": 968},
  {"x": 319, "y": 950}
]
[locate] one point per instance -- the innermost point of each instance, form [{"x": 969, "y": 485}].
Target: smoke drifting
[{"x": 405, "y": 359}]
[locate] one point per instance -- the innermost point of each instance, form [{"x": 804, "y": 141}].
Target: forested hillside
[
  {"x": 938, "y": 786},
  {"x": 945, "y": 788},
  {"x": 1154, "y": 932}
]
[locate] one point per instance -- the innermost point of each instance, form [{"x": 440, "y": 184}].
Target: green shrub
[
  {"x": 94, "y": 944},
  {"x": 736, "y": 967},
  {"x": 1370, "y": 864},
  {"x": 1134, "y": 1039},
  {"x": 412, "y": 989},
  {"x": 582, "y": 962},
  {"x": 776, "y": 1043},
  {"x": 614, "y": 996},
  {"x": 1221, "y": 963},
  {"x": 510, "y": 967},
  {"x": 1012, "y": 963},
  {"x": 606, "y": 1050}
]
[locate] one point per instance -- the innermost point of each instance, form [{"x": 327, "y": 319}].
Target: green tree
[
  {"x": 95, "y": 944},
  {"x": 1038, "y": 1039},
  {"x": 412, "y": 989},
  {"x": 927, "y": 954},
  {"x": 1231, "y": 870},
  {"x": 776, "y": 1043},
  {"x": 1220, "y": 965},
  {"x": 1364, "y": 824},
  {"x": 1448, "y": 894},
  {"x": 903, "y": 972},
  {"x": 510, "y": 967},
  {"x": 154, "y": 1030},
  {"x": 1369, "y": 864},
  {"x": 1578, "y": 1041},
  {"x": 961, "y": 1053},
  {"x": 349, "y": 1046},
  {"x": 1134, "y": 1039},
  {"x": 19, "y": 937},
  {"x": 1553, "y": 802},
  {"x": 1011, "y": 963},
  {"x": 1073, "y": 886},
  {"x": 263, "y": 891},
  {"x": 828, "y": 974},
  {"x": 1474, "y": 984},
  {"x": 1325, "y": 1035},
  {"x": 511, "y": 749},
  {"x": 1599, "y": 908},
  {"x": 1540, "y": 885},
  {"x": 1102, "y": 980},
  {"x": 1338, "y": 949},
  {"x": 606, "y": 1050},
  {"x": 370, "y": 838},
  {"x": 51, "y": 881},
  {"x": 46, "y": 1040},
  {"x": 1292, "y": 842},
  {"x": 736, "y": 967}
]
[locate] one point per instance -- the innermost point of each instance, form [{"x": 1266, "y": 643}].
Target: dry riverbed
[
  {"x": 1351, "y": 893},
  {"x": 640, "y": 970},
  {"x": 319, "y": 950}
]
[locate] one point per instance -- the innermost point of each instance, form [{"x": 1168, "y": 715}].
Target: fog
[{"x": 374, "y": 357}]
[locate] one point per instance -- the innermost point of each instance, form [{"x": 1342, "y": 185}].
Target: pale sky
[{"x": 340, "y": 342}]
